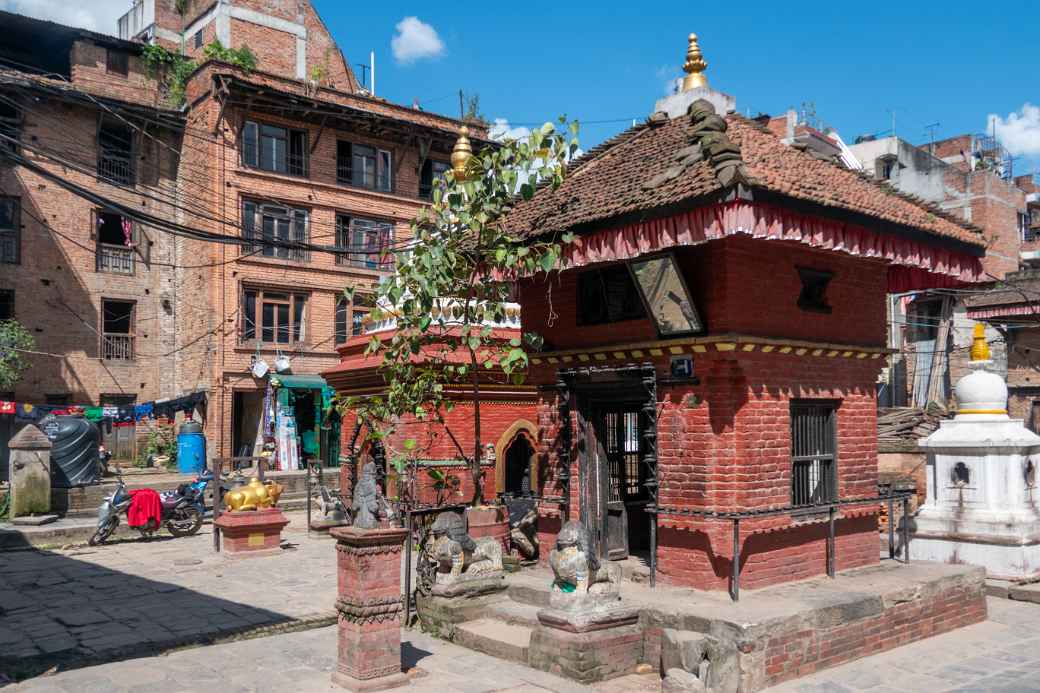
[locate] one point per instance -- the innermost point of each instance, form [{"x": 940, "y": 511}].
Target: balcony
[
  {"x": 442, "y": 313},
  {"x": 116, "y": 169},
  {"x": 116, "y": 259},
  {"x": 117, "y": 347},
  {"x": 140, "y": 17}
]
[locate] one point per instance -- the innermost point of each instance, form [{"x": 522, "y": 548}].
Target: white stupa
[{"x": 982, "y": 505}]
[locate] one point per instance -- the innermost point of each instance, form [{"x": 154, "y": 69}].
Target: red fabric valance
[{"x": 913, "y": 265}]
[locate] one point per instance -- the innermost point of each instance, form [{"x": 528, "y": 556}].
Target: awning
[{"x": 302, "y": 382}]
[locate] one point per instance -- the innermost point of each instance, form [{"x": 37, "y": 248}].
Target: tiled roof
[{"x": 610, "y": 181}]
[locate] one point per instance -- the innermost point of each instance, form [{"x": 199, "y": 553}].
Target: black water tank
[{"x": 74, "y": 451}]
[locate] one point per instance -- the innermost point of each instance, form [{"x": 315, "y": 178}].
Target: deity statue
[
  {"x": 254, "y": 496},
  {"x": 576, "y": 569},
  {"x": 458, "y": 555},
  {"x": 368, "y": 506}
]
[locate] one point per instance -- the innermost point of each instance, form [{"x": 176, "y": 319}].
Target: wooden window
[
  {"x": 115, "y": 151},
  {"x": 262, "y": 224},
  {"x": 608, "y": 295},
  {"x": 274, "y": 317},
  {"x": 351, "y": 316},
  {"x": 117, "y": 330},
  {"x": 814, "y": 478},
  {"x": 118, "y": 62},
  {"x": 364, "y": 167},
  {"x": 10, "y": 230},
  {"x": 274, "y": 148},
  {"x": 58, "y": 399},
  {"x": 813, "y": 296},
  {"x": 10, "y": 126},
  {"x": 364, "y": 242},
  {"x": 6, "y": 304},
  {"x": 115, "y": 252},
  {"x": 198, "y": 39},
  {"x": 432, "y": 170}
]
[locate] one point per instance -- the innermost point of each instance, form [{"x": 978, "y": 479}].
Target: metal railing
[
  {"x": 117, "y": 347},
  {"x": 117, "y": 259},
  {"x": 831, "y": 509}
]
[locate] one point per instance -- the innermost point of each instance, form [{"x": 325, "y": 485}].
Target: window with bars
[
  {"x": 262, "y": 224},
  {"x": 115, "y": 237},
  {"x": 432, "y": 170},
  {"x": 115, "y": 152},
  {"x": 365, "y": 243},
  {"x": 10, "y": 230},
  {"x": 273, "y": 148},
  {"x": 813, "y": 453},
  {"x": 364, "y": 166},
  {"x": 351, "y": 316},
  {"x": 623, "y": 449},
  {"x": 274, "y": 317}
]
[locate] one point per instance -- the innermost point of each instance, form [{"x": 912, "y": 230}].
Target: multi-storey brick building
[
  {"x": 283, "y": 185},
  {"x": 94, "y": 286},
  {"x": 707, "y": 392}
]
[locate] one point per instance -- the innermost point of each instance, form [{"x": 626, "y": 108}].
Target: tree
[
  {"x": 454, "y": 281},
  {"x": 15, "y": 340}
]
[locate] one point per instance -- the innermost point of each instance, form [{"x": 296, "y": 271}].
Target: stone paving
[
  {"x": 99, "y": 602},
  {"x": 1000, "y": 655}
]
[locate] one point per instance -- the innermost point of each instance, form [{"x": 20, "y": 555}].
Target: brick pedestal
[
  {"x": 489, "y": 521},
  {"x": 252, "y": 532},
  {"x": 587, "y": 646},
  {"x": 369, "y": 605}
]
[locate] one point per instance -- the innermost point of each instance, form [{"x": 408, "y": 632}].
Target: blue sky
[
  {"x": 606, "y": 61},
  {"x": 953, "y": 63}
]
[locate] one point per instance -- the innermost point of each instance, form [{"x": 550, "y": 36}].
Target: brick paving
[{"x": 131, "y": 596}]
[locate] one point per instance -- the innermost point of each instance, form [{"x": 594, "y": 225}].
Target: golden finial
[
  {"x": 979, "y": 347},
  {"x": 694, "y": 67},
  {"x": 461, "y": 155}
]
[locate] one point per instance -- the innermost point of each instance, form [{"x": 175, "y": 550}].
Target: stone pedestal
[
  {"x": 252, "y": 532},
  {"x": 370, "y": 606},
  {"x": 587, "y": 644},
  {"x": 30, "y": 472},
  {"x": 489, "y": 521},
  {"x": 465, "y": 598}
]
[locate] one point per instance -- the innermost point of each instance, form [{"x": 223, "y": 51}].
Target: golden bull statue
[{"x": 253, "y": 496}]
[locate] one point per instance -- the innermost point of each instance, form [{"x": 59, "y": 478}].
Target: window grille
[{"x": 813, "y": 442}]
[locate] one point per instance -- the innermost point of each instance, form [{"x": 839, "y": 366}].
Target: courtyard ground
[{"x": 83, "y": 619}]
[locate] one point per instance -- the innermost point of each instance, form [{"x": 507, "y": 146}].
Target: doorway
[
  {"x": 518, "y": 466},
  {"x": 616, "y": 479}
]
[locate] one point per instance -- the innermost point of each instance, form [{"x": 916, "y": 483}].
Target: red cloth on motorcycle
[{"x": 145, "y": 505}]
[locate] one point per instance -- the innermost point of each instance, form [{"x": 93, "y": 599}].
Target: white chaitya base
[{"x": 1008, "y": 548}]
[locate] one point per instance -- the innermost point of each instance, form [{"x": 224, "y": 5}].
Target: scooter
[{"x": 182, "y": 511}]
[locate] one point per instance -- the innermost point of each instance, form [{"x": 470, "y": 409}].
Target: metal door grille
[{"x": 813, "y": 443}]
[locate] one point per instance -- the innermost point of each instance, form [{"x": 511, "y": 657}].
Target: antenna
[{"x": 931, "y": 136}]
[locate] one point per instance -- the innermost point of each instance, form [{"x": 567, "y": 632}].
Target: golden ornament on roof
[
  {"x": 694, "y": 67},
  {"x": 461, "y": 155}
]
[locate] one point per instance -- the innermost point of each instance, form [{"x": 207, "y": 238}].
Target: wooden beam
[{"x": 321, "y": 131}]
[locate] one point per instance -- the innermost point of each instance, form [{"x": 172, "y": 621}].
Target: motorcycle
[{"x": 182, "y": 510}]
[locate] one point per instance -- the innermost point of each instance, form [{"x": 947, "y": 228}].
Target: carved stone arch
[{"x": 520, "y": 427}]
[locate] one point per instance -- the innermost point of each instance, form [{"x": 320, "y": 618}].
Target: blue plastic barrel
[{"x": 191, "y": 448}]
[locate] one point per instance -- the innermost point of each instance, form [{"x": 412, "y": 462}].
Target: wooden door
[{"x": 617, "y": 465}]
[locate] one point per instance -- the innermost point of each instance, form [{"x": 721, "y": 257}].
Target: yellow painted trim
[
  {"x": 553, "y": 359},
  {"x": 583, "y": 357},
  {"x": 600, "y": 357},
  {"x": 725, "y": 346},
  {"x": 749, "y": 347},
  {"x": 536, "y": 362},
  {"x": 637, "y": 353},
  {"x": 699, "y": 349},
  {"x": 568, "y": 359},
  {"x": 656, "y": 352},
  {"x": 618, "y": 354},
  {"x": 817, "y": 352},
  {"x": 800, "y": 352},
  {"x": 846, "y": 354},
  {"x": 832, "y": 353},
  {"x": 982, "y": 411},
  {"x": 786, "y": 350},
  {"x": 767, "y": 348},
  {"x": 862, "y": 355}
]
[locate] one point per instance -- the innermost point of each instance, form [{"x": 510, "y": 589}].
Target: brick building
[
  {"x": 282, "y": 186},
  {"x": 718, "y": 333},
  {"x": 94, "y": 286},
  {"x": 508, "y": 429}
]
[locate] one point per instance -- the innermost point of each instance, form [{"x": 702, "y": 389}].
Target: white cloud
[
  {"x": 97, "y": 15},
  {"x": 415, "y": 40},
  {"x": 666, "y": 73},
  {"x": 501, "y": 130},
  {"x": 1019, "y": 132}
]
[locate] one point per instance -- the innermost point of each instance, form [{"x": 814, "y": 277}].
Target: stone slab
[
  {"x": 516, "y": 613},
  {"x": 34, "y": 520},
  {"x": 1025, "y": 593},
  {"x": 495, "y": 638},
  {"x": 998, "y": 588}
]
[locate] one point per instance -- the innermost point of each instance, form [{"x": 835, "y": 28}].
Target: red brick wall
[
  {"x": 89, "y": 65},
  {"x": 725, "y": 443}
]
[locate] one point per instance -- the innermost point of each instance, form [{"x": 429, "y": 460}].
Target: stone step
[
  {"x": 515, "y": 613},
  {"x": 495, "y": 638},
  {"x": 525, "y": 592}
]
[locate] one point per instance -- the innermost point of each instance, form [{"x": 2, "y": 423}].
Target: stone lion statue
[
  {"x": 455, "y": 553},
  {"x": 576, "y": 569}
]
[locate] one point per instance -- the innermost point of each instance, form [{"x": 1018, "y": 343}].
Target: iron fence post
[
  {"x": 906, "y": 529},
  {"x": 830, "y": 541},
  {"x": 891, "y": 527},
  {"x": 735, "y": 588},
  {"x": 408, "y": 570},
  {"x": 216, "y": 466}
]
